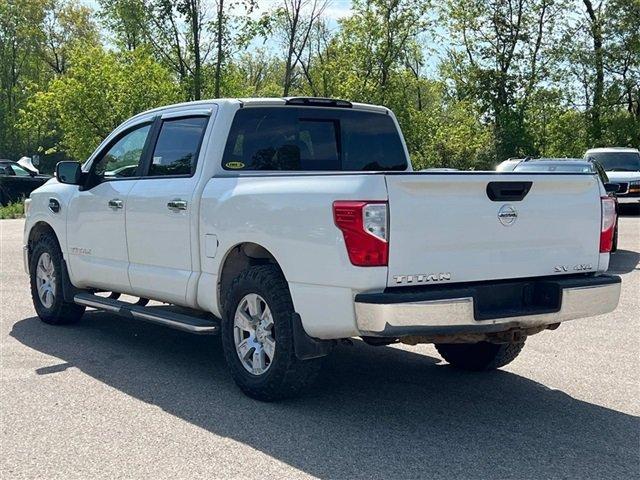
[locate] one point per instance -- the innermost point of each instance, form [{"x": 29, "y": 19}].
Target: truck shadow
[{"x": 375, "y": 413}]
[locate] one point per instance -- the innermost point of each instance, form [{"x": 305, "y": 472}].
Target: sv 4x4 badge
[{"x": 581, "y": 267}]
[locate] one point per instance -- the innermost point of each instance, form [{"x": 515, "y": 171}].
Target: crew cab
[{"x": 289, "y": 224}]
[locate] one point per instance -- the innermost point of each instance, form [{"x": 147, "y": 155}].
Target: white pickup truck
[{"x": 287, "y": 225}]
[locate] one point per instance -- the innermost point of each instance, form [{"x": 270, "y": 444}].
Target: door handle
[
  {"x": 177, "y": 204},
  {"x": 115, "y": 203}
]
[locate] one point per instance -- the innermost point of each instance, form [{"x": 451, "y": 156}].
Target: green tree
[
  {"x": 127, "y": 21},
  {"x": 100, "y": 90},
  {"x": 64, "y": 26},
  {"x": 20, "y": 66},
  {"x": 499, "y": 57}
]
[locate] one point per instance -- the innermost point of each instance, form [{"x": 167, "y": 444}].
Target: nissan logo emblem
[{"x": 507, "y": 215}]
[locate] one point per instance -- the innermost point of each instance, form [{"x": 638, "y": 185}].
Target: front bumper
[
  {"x": 485, "y": 307},
  {"x": 25, "y": 258},
  {"x": 628, "y": 199}
]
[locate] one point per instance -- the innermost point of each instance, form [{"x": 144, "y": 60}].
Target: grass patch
[{"x": 13, "y": 210}]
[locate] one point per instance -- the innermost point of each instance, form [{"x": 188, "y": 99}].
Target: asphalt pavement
[{"x": 114, "y": 398}]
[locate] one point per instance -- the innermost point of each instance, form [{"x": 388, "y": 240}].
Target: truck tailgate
[{"x": 444, "y": 228}]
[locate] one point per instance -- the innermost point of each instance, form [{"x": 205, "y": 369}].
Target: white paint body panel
[
  {"x": 292, "y": 217},
  {"x": 159, "y": 238},
  {"x": 445, "y": 223},
  {"x": 97, "y": 243}
]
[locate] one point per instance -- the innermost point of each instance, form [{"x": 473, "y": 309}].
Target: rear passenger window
[
  {"x": 177, "y": 146},
  {"x": 295, "y": 138}
]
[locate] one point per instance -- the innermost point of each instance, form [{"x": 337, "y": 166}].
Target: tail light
[
  {"x": 364, "y": 227},
  {"x": 608, "y": 224}
]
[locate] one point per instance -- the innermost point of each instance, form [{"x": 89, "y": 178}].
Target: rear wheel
[
  {"x": 479, "y": 356},
  {"x": 257, "y": 337},
  {"x": 45, "y": 270}
]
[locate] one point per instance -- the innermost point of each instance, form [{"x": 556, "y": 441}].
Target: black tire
[
  {"x": 481, "y": 356},
  {"x": 287, "y": 376},
  {"x": 59, "y": 312}
]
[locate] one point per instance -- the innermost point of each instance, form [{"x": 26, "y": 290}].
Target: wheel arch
[
  {"x": 238, "y": 258},
  {"x": 38, "y": 230},
  {"x": 248, "y": 254}
]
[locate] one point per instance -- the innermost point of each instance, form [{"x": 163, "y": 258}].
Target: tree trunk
[
  {"x": 195, "y": 29},
  {"x": 220, "y": 30},
  {"x": 293, "y": 11},
  {"x": 598, "y": 88},
  {"x": 288, "y": 68}
]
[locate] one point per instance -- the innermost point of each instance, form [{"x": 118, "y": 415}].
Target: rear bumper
[{"x": 485, "y": 307}]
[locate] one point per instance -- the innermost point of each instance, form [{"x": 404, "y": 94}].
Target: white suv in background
[{"x": 623, "y": 167}]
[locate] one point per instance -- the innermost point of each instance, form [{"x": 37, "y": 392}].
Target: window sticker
[{"x": 234, "y": 165}]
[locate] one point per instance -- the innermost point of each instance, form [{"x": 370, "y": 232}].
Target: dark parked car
[{"x": 17, "y": 182}]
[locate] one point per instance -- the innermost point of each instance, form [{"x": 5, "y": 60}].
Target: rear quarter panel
[{"x": 291, "y": 216}]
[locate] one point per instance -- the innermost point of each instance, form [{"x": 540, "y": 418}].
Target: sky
[{"x": 337, "y": 8}]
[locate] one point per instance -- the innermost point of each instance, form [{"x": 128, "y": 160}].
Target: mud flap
[
  {"x": 68, "y": 290},
  {"x": 307, "y": 347}
]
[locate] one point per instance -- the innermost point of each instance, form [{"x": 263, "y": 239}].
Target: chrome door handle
[
  {"x": 177, "y": 204},
  {"x": 115, "y": 203}
]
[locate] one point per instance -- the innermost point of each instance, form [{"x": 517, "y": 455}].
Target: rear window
[{"x": 294, "y": 138}]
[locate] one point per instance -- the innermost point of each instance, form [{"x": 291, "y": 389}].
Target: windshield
[
  {"x": 554, "y": 167},
  {"x": 19, "y": 171},
  {"x": 617, "y": 161}
]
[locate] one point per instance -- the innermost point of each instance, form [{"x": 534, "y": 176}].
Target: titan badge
[{"x": 422, "y": 278}]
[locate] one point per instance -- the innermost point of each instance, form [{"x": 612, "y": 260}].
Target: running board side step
[{"x": 159, "y": 315}]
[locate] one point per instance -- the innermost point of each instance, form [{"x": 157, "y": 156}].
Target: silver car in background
[{"x": 565, "y": 165}]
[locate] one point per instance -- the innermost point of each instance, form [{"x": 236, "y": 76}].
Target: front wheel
[
  {"x": 257, "y": 337},
  {"x": 45, "y": 271},
  {"x": 479, "y": 356}
]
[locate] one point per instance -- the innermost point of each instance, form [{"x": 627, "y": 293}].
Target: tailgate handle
[{"x": 508, "y": 191}]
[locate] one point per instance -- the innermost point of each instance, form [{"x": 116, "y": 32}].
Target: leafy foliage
[
  {"x": 100, "y": 91},
  {"x": 13, "y": 210}
]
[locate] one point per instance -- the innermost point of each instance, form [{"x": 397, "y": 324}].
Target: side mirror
[
  {"x": 69, "y": 172},
  {"x": 612, "y": 187}
]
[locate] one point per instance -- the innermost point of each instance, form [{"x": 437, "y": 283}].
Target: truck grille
[{"x": 624, "y": 188}]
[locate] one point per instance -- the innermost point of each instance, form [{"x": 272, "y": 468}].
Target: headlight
[
  {"x": 635, "y": 183},
  {"x": 27, "y": 204}
]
